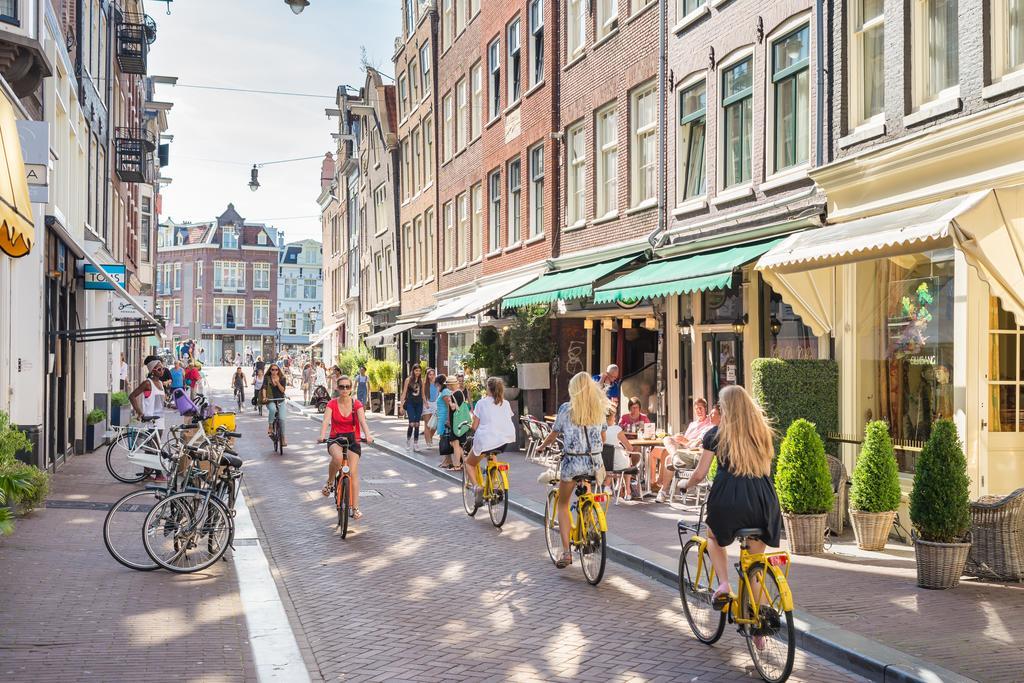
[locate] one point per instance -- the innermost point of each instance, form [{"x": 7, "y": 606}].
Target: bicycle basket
[{"x": 225, "y": 420}]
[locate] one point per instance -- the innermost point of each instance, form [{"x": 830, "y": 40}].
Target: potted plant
[
  {"x": 940, "y": 509},
  {"x": 530, "y": 347},
  {"x": 372, "y": 374},
  {"x": 489, "y": 354},
  {"x": 95, "y": 428},
  {"x": 875, "y": 496},
  {"x": 120, "y": 413},
  {"x": 387, "y": 375},
  {"x": 805, "y": 488},
  {"x": 16, "y": 483}
]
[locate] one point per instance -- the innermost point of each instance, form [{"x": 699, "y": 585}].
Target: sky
[{"x": 261, "y": 45}]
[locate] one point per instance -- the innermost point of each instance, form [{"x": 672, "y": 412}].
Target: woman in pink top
[
  {"x": 634, "y": 420},
  {"x": 691, "y": 438}
]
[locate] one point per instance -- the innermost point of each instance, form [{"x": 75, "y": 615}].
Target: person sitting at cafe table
[
  {"x": 633, "y": 422},
  {"x": 690, "y": 439}
]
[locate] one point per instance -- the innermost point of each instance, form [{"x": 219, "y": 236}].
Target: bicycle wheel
[
  {"x": 497, "y": 503},
  {"x": 185, "y": 534},
  {"x": 122, "y": 529},
  {"x": 118, "y": 463},
  {"x": 468, "y": 494},
  {"x": 341, "y": 493},
  {"x": 772, "y": 643},
  {"x": 695, "y": 590},
  {"x": 279, "y": 430},
  {"x": 552, "y": 537},
  {"x": 593, "y": 553}
]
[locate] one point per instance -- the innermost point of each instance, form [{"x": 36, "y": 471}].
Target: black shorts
[{"x": 353, "y": 445}]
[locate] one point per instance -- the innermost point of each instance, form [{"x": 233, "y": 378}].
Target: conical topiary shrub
[
  {"x": 940, "y": 508},
  {"x": 875, "y": 496},
  {"x": 804, "y": 487}
]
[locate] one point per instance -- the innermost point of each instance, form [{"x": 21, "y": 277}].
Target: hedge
[{"x": 788, "y": 390}]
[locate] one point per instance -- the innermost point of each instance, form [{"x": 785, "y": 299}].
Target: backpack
[{"x": 462, "y": 419}]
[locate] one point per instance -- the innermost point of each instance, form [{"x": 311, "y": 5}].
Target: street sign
[{"x": 95, "y": 280}]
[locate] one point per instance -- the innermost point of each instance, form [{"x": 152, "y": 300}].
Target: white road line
[{"x": 275, "y": 651}]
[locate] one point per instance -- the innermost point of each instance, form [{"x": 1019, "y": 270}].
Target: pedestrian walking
[
  {"x": 123, "y": 374},
  {"x": 411, "y": 402},
  {"x": 430, "y": 393},
  {"x": 307, "y": 382},
  {"x": 362, "y": 381}
]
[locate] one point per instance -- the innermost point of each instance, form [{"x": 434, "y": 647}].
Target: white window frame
[
  {"x": 576, "y": 153},
  {"x": 447, "y": 24},
  {"x": 575, "y": 28},
  {"x": 606, "y": 18},
  {"x": 494, "y": 211},
  {"x": 920, "y": 63},
  {"x": 199, "y": 310},
  {"x": 476, "y": 109},
  {"x": 461, "y": 257},
  {"x": 448, "y": 132},
  {"x": 419, "y": 251},
  {"x": 177, "y": 312},
  {"x": 257, "y": 270},
  {"x": 514, "y": 79},
  {"x": 685, "y": 124},
  {"x": 638, "y": 135},
  {"x": 476, "y": 237},
  {"x": 410, "y": 17},
  {"x": 430, "y": 223},
  {"x": 857, "y": 28},
  {"x": 606, "y": 189},
  {"x": 535, "y": 157},
  {"x": 535, "y": 20},
  {"x": 409, "y": 272},
  {"x": 428, "y": 151},
  {"x": 1000, "y": 34},
  {"x": 177, "y": 277},
  {"x": 413, "y": 71},
  {"x": 514, "y": 177},
  {"x": 224, "y": 241},
  {"x": 449, "y": 236},
  {"x": 261, "y": 312},
  {"x": 199, "y": 275},
  {"x": 425, "y": 59},
  {"x": 494, "y": 79},
  {"x": 461, "y": 114},
  {"x": 403, "y": 97}
]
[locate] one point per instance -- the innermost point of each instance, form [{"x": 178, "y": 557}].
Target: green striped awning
[
  {"x": 576, "y": 283},
  {"x": 682, "y": 275}
]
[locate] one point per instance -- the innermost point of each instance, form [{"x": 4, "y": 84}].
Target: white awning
[
  {"x": 121, "y": 291},
  {"x": 322, "y": 334},
  {"x": 387, "y": 336},
  {"x": 477, "y": 300}
]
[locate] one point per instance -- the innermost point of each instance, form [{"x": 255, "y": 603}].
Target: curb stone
[{"x": 863, "y": 656}]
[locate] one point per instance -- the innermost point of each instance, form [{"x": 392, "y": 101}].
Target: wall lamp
[
  {"x": 740, "y": 323},
  {"x": 775, "y": 326},
  {"x": 686, "y": 326}
]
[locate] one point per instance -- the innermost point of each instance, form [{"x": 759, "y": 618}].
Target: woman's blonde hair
[
  {"x": 496, "y": 389},
  {"x": 588, "y": 403},
  {"x": 745, "y": 437}
]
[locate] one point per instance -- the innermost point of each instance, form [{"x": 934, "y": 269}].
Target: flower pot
[
  {"x": 375, "y": 401},
  {"x": 94, "y": 436},
  {"x": 872, "y": 528},
  {"x": 389, "y": 404},
  {"x": 940, "y": 565},
  {"x": 120, "y": 416},
  {"x": 805, "y": 533},
  {"x": 534, "y": 375}
]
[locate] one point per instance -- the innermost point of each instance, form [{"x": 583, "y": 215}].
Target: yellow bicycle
[
  {"x": 494, "y": 479},
  {"x": 589, "y": 527},
  {"x": 769, "y": 629}
]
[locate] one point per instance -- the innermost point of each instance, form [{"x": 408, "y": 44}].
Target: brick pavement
[
  {"x": 421, "y": 592},
  {"x": 70, "y": 612},
  {"x": 972, "y": 630}
]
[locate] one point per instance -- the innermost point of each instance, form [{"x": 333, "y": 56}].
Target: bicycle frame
[
  {"x": 578, "y": 530},
  {"x": 485, "y": 474}
]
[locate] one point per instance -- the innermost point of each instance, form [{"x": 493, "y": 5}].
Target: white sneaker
[
  {"x": 408, "y": 443},
  {"x": 661, "y": 498},
  {"x": 416, "y": 446}
]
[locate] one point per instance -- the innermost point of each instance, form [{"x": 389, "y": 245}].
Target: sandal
[
  {"x": 356, "y": 513},
  {"x": 564, "y": 561},
  {"x": 327, "y": 490}
]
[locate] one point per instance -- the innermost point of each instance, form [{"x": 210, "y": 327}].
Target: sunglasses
[{"x": 345, "y": 386}]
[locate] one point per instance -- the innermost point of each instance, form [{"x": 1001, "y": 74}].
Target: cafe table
[{"x": 644, "y": 475}]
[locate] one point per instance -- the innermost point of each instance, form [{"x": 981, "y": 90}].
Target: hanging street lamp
[{"x": 297, "y": 5}]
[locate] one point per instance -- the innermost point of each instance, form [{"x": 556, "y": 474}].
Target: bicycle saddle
[
  {"x": 148, "y": 418},
  {"x": 751, "y": 533},
  {"x": 230, "y": 460}
]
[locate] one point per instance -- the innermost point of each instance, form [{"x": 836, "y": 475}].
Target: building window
[
  {"x": 309, "y": 288},
  {"x": 199, "y": 311},
  {"x": 428, "y": 151},
  {"x": 261, "y": 313},
  {"x": 414, "y": 84},
  {"x": 577, "y": 28},
  {"x": 261, "y": 239},
  {"x": 737, "y": 135},
  {"x": 577, "y": 168},
  {"x": 607, "y": 162},
  {"x": 428, "y": 84},
  {"x": 935, "y": 55},
  {"x": 228, "y": 238},
  {"x": 380, "y": 207},
  {"x": 447, "y": 24},
  {"x": 474, "y": 8},
  {"x": 460, "y": 17},
  {"x": 461, "y": 229},
  {"x": 177, "y": 312},
  {"x": 476, "y": 110},
  {"x": 449, "y": 236},
  {"x": 261, "y": 276},
  {"x": 228, "y": 275},
  {"x": 291, "y": 322},
  {"x": 494, "y": 68},
  {"x": 199, "y": 275},
  {"x": 9, "y": 12},
  {"x": 514, "y": 71},
  {"x": 1007, "y": 37},
  {"x": 536, "y": 157},
  {"x": 685, "y": 7},
  {"x": 448, "y": 134},
  {"x": 410, "y": 256},
  {"x": 791, "y": 94},
  {"x": 431, "y": 242},
  {"x": 867, "y": 60},
  {"x": 690, "y": 174},
  {"x": 607, "y": 17},
  {"x": 476, "y": 235},
  {"x": 494, "y": 212},
  {"x": 1006, "y": 371},
  {"x": 418, "y": 263},
  {"x": 177, "y": 277},
  {"x": 536, "y": 15},
  {"x": 145, "y": 232},
  {"x": 514, "y": 204},
  {"x": 644, "y": 155},
  {"x": 229, "y": 312},
  {"x": 410, "y": 17},
  {"x": 462, "y": 120}
]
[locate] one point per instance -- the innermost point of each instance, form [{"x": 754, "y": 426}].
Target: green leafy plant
[
  {"x": 373, "y": 374},
  {"x": 529, "y": 336},
  {"x": 95, "y": 416},
  {"x": 350, "y": 360},
  {"x": 38, "y": 480},
  {"x": 801, "y": 478},
  {"x": 15, "y": 483},
  {"x": 387, "y": 375},
  {"x": 876, "y": 479},
  {"x": 490, "y": 351},
  {"x": 793, "y": 389},
  {"x": 940, "y": 500},
  {"x": 119, "y": 399}
]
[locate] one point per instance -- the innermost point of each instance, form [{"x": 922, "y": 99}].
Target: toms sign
[{"x": 94, "y": 279}]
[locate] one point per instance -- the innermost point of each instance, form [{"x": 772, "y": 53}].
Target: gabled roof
[{"x": 230, "y": 216}]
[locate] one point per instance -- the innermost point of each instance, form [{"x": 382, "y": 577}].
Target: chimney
[{"x": 327, "y": 171}]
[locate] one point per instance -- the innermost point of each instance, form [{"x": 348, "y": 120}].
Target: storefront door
[{"x": 723, "y": 362}]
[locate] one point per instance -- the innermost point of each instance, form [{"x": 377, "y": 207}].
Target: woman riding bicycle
[
  {"x": 345, "y": 418},
  {"x": 493, "y": 429},
  {"x": 273, "y": 394},
  {"x": 412, "y": 404},
  {"x": 238, "y": 384},
  {"x": 581, "y": 421},
  {"x": 742, "y": 495}
]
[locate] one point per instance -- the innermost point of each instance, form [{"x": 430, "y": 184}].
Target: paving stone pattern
[{"x": 421, "y": 592}]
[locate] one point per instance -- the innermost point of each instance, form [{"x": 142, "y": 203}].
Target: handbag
[
  {"x": 600, "y": 473},
  {"x": 444, "y": 446},
  {"x": 432, "y": 422}
]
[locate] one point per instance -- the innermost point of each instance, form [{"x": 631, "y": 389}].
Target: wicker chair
[
  {"x": 837, "y": 515},
  {"x": 997, "y": 538}
]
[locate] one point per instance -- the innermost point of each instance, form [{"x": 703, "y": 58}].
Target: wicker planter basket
[
  {"x": 872, "y": 528},
  {"x": 940, "y": 565},
  {"x": 805, "y": 533}
]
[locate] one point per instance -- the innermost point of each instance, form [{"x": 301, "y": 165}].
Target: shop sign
[
  {"x": 127, "y": 310},
  {"x": 35, "y": 148},
  {"x": 94, "y": 279},
  {"x": 421, "y": 334}
]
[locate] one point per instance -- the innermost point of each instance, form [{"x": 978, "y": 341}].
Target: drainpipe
[
  {"x": 819, "y": 21},
  {"x": 661, "y": 367}
]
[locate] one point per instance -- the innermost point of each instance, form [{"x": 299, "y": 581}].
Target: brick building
[{"x": 216, "y": 282}]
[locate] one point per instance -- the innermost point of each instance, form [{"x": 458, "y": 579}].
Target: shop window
[
  {"x": 723, "y": 306},
  {"x": 783, "y": 333},
  {"x": 1005, "y": 370}
]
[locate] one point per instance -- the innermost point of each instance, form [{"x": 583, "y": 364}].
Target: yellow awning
[{"x": 17, "y": 232}]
